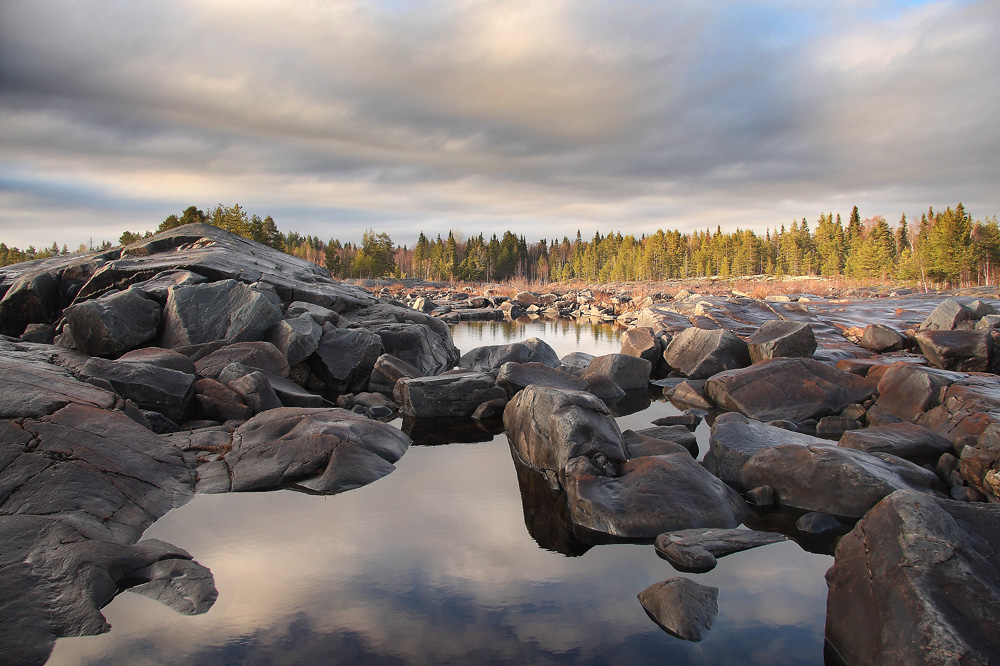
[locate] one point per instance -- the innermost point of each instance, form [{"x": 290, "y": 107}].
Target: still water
[{"x": 434, "y": 564}]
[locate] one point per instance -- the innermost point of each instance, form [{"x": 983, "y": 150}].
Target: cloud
[{"x": 429, "y": 115}]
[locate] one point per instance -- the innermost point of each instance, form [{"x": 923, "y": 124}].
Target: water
[{"x": 433, "y": 564}]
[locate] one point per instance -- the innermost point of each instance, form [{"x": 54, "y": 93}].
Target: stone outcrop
[{"x": 964, "y": 351}]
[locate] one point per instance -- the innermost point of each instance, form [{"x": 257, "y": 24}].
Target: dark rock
[
  {"x": 158, "y": 287},
  {"x": 735, "y": 439},
  {"x": 576, "y": 362},
  {"x": 818, "y": 524},
  {"x": 788, "y": 388},
  {"x": 42, "y": 333},
  {"x": 915, "y": 582},
  {"x": 257, "y": 355},
  {"x": 906, "y": 390},
  {"x": 814, "y": 477},
  {"x": 216, "y": 402},
  {"x": 604, "y": 388},
  {"x": 319, "y": 314},
  {"x": 225, "y": 310},
  {"x": 33, "y": 388},
  {"x": 296, "y": 338},
  {"x": 700, "y": 354},
  {"x": 149, "y": 386},
  {"x": 967, "y": 351},
  {"x": 256, "y": 392},
  {"x": 345, "y": 359},
  {"x": 638, "y": 445},
  {"x": 833, "y": 427},
  {"x": 689, "y": 421},
  {"x": 111, "y": 325},
  {"x": 682, "y": 607},
  {"x": 32, "y": 299},
  {"x": 642, "y": 343},
  {"x": 692, "y": 393},
  {"x": 180, "y": 584},
  {"x": 329, "y": 450},
  {"x": 881, "y": 339},
  {"x": 946, "y": 464},
  {"x": 490, "y": 358},
  {"x": 387, "y": 371},
  {"x": 513, "y": 377},
  {"x": 779, "y": 338},
  {"x": 761, "y": 496},
  {"x": 629, "y": 372},
  {"x": 164, "y": 358},
  {"x": 159, "y": 423},
  {"x": 966, "y": 494},
  {"x": 677, "y": 434},
  {"x": 446, "y": 395},
  {"x": 697, "y": 550},
  {"x": 489, "y": 410},
  {"x": 907, "y": 440},
  {"x": 419, "y": 345},
  {"x": 947, "y": 316}
]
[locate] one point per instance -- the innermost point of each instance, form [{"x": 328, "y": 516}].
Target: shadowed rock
[
  {"x": 32, "y": 299},
  {"x": 778, "y": 338},
  {"x": 33, "y": 387},
  {"x": 735, "y": 439},
  {"x": 514, "y": 377},
  {"x": 880, "y": 339},
  {"x": 906, "y": 390},
  {"x": 948, "y": 315},
  {"x": 964, "y": 351},
  {"x": 676, "y": 434},
  {"x": 256, "y": 355},
  {"x": 387, "y": 371},
  {"x": 682, "y": 607},
  {"x": 490, "y": 358},
  {"x": 696, "y": 550},
  {"x": 164, "y": 358},
  {"x": 699, "y": 354},
  {"x": 907, "y": 440},
  {"x": 149, "y": 386},
  {"x": 629, "y": 372},
  {"x": 418, "y": 345},
  {"x": 456, "y": 394},
  {"x": 296, "y": 338},
  {"x": 112, "y": 325},
  {"x": 345, "y": 359}
]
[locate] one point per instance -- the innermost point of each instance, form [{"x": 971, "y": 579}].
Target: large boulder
[
  {"x": 880, "y": 339},
  {"x": 514, "y": 377},
  {"x": 947, "y": 316},
  {"x": 387, "y": 371},
  {"x": 698, "y": 353},
  {"x": 735, "y": 439},
  {"x": 457, "y": 394},
  {"x": 345, "y": 359},
  {"x": 256, "y": 355},
  {"x": 164, "y": 358},
  {"x": 682, "y": 607},
  {"x": 795, "y": 389},
  {"x": 907, "y": 390},
  {"x": 111, "y": 325},
  {"x": 225, "y": 310},
  {"x": 629, "y": 372},
  {"x": 297, "y": 338},
  {"x": 780, "y": 338},
  {"x": 643, "y": 343},
  {"x": 817, "y": 477},
  {"x": 916, "y": 582},
  {"x": 34, "y": 298},
  {"x": 149, "y": 386},
  {"x": 964, "y": 351},
  {"x": 419, "y": 345},
  {"x": 490, "y": 358},
  {"x": 910, "y": 441},
  {"x": 329, "y": 450}
]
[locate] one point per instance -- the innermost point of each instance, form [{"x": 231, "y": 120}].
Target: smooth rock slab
[
  {"x": 257, "y": 355},
  {"x": 907, "y": 390},
  {"x": 682, "y": 607},
  {"x": 879, "y": 338},
  {"x": 33, "y": 388},
  {"x": 697, "y": 550},
  {"x": 910, "y": 441}
]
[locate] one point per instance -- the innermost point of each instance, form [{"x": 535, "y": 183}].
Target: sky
[{"x": 544, "y": 118}]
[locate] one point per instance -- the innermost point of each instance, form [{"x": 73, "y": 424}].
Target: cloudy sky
[{"x": 541, "y": 117}]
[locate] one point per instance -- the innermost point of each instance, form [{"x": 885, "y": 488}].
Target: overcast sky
[{"x": 540, "y": 116}]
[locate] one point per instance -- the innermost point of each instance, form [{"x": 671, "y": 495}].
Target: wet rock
[
  {"x": 735, "y": 439},
  {"x": 700, "y": 354},
  {"x": 906, "y": 390},
  {"x": 180, "y": 584},
  {"x": 906, "y": 440},
  {"x": 297, "y": 338},
  {"x": 948, "y": 315},
  {"x": 32, "y": 299},
  {"x": 780, "y": 338},
  {"x": 881, "y": 339},
  {"x": 149, "y": 386},
  {"x": 513, "y": 377},
  {"x": 257, "y": 355},
  {"x": 915, "y": 582},
  {"x": 629, "y": 372},
  {"x": 697, "y": 550},
  {"x": 446, "y": 395},
  {"x": 814, "y": 477},
  {"x": 965, "y": 351},
  {"x": 788, "y": 388},
  {"x": 419, "y": 345},
  {"x": 225, "y": 310},
  {"x": 330, "y": 450},
  {"x": 490, "y": 358},
  {"x": 817, "y": 524},
  {"x": 114, "y": 324},
  {"x": 345, "y": 359},
  {"x": 682, "y": 607}
]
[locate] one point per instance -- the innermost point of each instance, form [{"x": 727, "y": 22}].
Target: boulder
[
  {"x": 915, "y": 582},
  {"x": 881, "y": 339},
  {"x": 699, "y": 354},
  {"x": 297, "y": 338},
  {"x": 149, "y": 386},
  {"x": 682, "y": 607},
  {"x": 456, "y": 394},
  {"x": 225, "y": 310},
  {"x": 676, "y": 434},
  {"x": 215, "y": 401},
  {"x": 34, "y": 388},
  {"x": 490, "y": 358},
  {"x": 43, "y": 333},
  {"x": 164, "y": 358},
  {"x": 906, "y": 390},
  {"x": 513, "y": 377},
  {"x": 947, "y": 316},
  {"x": 419, "y": 345},
  {"x": 158, "y": 286},
  {"x": 964, "y": 351},
  {"x": 780, "y": 338},
  {"x": 328, "y": 450},
  {"x": 345, "y": 359},
  {"x": 735, "y": 439},
  {"x": 387, "y": 371},
  {"x": 576, "y": 362},
  {"x": 111, "y": 325},
  {"x": 257, "y": 355},
  {"x": 692, "y": 393},
  {"x": 697, "y": 550},
  {"x": 639, "y": 445},
  {"x": 795, "y": 389},
  {"x": 642, "y": 343},
  {"x": 814, "y": 477},
  {"x": 33, "y": 299},
  {"x": 629, "y": 372},
  {"x": 906, "y": 440},
  {"x": 256, "y": 392},
  {"x": 319, "y": 314}
]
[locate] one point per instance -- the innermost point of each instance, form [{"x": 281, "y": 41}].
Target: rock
[
  {"x": 32, "y": 299},
  {"x": 423, "y": 305},
  {"x": 163, "y": 358},
  {"x": 677, "y": 434},
  {"x": 149, "y": 386},
  {"x": 948, "y": 315},
  {"x": 735, "y": 439},
  {"x": 419, "y": 345},
  {"x": 814, "y": 477},
  {"x": 256, "y": 392},
  {"x": 111, "y": 325},
  {"x": 761, "y": 496},
  {"x": 966, "y": 351},
  {"x": 692, "y": 393},
  {"x": 688, "y": 420},
  {"x": 906, "y": 390},
  {"x": 779, "y": 338},
  {"x": 490, "y": 358},
  {"x": 881, "y": 339},
  {"x": 833, "y": 427},
  {"x": 217, "y": 402},
  {"x": 257, "y": 355},
  {"x": 329, "y": 450},
  {"x": 576, "y": 362},
  {"x": 628, "y": 372},
  {"x": 42, "y": 333},
  {"x": 158, "y": 286},
  {"x": 34, "y": 388},
  {"x": 387, "y": 371},
  {"x": 817, "y": 524},
  {"x": 297, "y": 338},
  {"x": 178, "y": 583},
  {"x": 604, "y": 388},
  {"x": 345, "y": 359},
  {"x": 642, "y": 343},
  {"x": 697, "y": 550},
  {"x": 915, "y": 582},
  {"x": 446, "y": 395},
  {"x": 225, "y": 310},
  {"x": 682, "y": 607},
  {"x": 652, "y": 495},
  {"x": 988, "y": 321},
  {"x": 319, "y": 314},
  {"x": 490, "y": 410},
  {"x": 700, "y": 354},
  {"x": 788, "y": 388},
  {"x": 513, "y": 377},
  {"x": 638, "y": 445},
  {"x": 907, "y": 440}
]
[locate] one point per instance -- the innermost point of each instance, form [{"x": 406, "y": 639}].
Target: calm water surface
[{"x": 434, "y": 564}]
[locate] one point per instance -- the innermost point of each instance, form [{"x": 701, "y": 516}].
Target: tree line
[{"x": 944, "y": 248}]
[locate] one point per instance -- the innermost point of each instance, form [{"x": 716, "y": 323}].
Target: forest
[{"x": 944, "y": 248}]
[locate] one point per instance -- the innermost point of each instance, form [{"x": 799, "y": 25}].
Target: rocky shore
[{"x": 200, "y": 362}]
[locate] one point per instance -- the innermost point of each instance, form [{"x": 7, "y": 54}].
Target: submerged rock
[{"x": 682, "y": 607}]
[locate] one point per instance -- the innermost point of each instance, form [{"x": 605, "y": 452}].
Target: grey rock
[
  {"x": 514, "y": 377},
  {"x": 576, "y": 362},
  {"x": 964, "y": 351},
  {"x": 419, "y": 345},
  {"x": 677, "y": 434},
  {"x": 257, "y": 355},
  {"x": 158, "y": 287},
  {"x": 906, "y": 390},
  {"x": 988, "y": 321},
  {"x": 642, "y": 343},
  {"x": 32, "y": 299},
  {"x": 149, "y": 386},
  {"x": 692, "y": 393},
  {"x": 43, "y": 333},
  {"x": 779, "y": 338},
  {"x": 682, "y": 607},
  {"x": 345, "y": 359},
  {"x": 111, "y": 325},
  {"x": 948, "y": 315},
  {"x": 604, "y": 388},
  {"x": 215, "y": 401},
  {"x": 818, "y": 524},
  {"x": 319, "y": 314},
  {"x": 880, "y": 339},
  {"x": 296, "y": 338},
  {"x": 163, "y": 358},
  {"x": 629, "y": 372},
  {"x": 638, "y": 445},
  {"x": 699, "y": 354},
  {"x": 735, "y": 439},
  {"x": 697, "y": 550},
  {"x": 256, "y": 392},
  {"x": 33, "y": 387},
  {"x": 446, "y": 395},
  {"x": 387, "y": 371},
  {"x": 225, "y": 310},
  {"x": 833, "y": 427},
  {"x": 761, "y": 496},
  {"x": 490, "y": 358},
  {"x": 688, "y": 420},
  {"x": 910, "y": 441}
]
